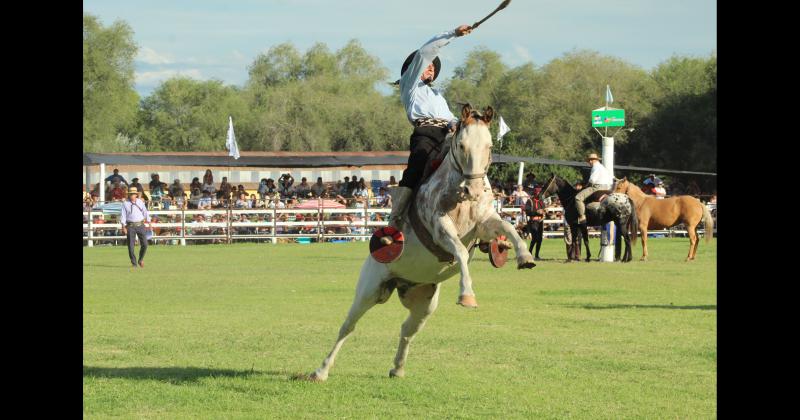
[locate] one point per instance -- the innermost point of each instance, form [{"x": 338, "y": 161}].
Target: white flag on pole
[
  {"x": 233, "y": 148},
  {"x": 609, "y": 97},
  {"x": 503, "y": 129}
]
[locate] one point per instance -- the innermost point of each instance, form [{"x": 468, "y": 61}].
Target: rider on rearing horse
[{"x": 427, "y": 111}]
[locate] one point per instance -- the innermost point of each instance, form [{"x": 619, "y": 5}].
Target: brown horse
[{"x": 661, "y": 214}]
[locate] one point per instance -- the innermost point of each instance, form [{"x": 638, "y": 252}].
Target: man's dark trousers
[
  {"x": 425, "y": 141},
  {"x": 133, "y": 232},
  {"x": 535, "y": 229}
]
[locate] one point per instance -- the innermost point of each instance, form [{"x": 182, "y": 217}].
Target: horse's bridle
[{"x": 455, "y": 160}]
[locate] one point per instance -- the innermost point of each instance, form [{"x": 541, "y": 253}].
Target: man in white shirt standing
[
  {"x": 599, "y": 179},
  {"x": 427, "y": 111}
]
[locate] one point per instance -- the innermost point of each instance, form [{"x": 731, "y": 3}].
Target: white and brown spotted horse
[{"x": 453, "y": 209}]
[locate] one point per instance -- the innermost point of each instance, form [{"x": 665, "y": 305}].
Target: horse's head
[
  {"x": 621, "y": 185},
  {"x": 551, "y": 187},
  {"x": 471, "y": 149}
]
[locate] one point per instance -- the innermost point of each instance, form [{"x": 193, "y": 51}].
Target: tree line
[{"x": 323, "y": 100}]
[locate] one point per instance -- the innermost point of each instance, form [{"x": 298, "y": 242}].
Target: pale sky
[{"x": 217, "y": 39}]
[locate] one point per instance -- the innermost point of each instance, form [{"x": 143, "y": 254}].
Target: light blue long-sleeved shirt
[
  {"x": 419, "y": 99},
  {"x": 134, "y": 212}
]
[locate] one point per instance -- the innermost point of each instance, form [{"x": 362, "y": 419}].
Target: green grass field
[{"x": 217, "y": 331}]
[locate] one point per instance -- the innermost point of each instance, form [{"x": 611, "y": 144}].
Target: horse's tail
[
  {"x": 708, "y": 223},
  {"x": 633, "y": 222}
]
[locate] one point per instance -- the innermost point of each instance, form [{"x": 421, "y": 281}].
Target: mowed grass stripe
[{"x": 218, "y": 330}]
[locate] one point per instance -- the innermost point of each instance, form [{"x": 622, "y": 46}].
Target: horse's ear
[
  {"x": 488, "y": 113},
  {"x": 466, "y": 113},
  {"x": 625, "y": 178}
]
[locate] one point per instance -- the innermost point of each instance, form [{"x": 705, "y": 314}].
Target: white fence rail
[{"x": 275, "y": 225}]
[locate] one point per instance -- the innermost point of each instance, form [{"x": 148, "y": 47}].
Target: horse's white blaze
[{"x": 455, "y": 220}]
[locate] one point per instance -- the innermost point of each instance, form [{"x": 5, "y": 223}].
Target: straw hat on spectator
[{"x": 133, "y": 190}]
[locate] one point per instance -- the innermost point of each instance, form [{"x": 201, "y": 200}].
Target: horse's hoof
[
  {"x": 397, "y": 373},
  {"x": 311, "y": 377},
  {"x": 526, "y": 264},
  {"x": 467, "y": 301}
]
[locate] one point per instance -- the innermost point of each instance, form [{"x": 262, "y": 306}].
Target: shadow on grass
[
  {"x": 173, "y": 374},
  {"x": 622, "y": 306}
]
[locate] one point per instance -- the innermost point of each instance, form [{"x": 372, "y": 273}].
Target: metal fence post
[
  {"x": 90, "y": 242},
  {"x": 274, "y": 224},
  {"x": 183, "y": 227}
]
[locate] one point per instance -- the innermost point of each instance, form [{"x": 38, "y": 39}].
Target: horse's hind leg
[
  {"x": 693, "y": 241},
  {"x": 368, "y": 293},
  {"x": 585, "y": 230},
  {"x": 421, "y": 301}
]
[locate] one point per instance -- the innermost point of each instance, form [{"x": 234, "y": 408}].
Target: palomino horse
[
  {"x": 615, "y": 207},
  {"x": 661, "y": 214},
  {"x": 455, "y": 208}
]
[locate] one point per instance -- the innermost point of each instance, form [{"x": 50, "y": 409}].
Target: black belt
[
  {"x": 431, "y": 122},
  {"x": 135, "y": 223}
]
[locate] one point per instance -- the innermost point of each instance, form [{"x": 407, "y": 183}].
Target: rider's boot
[{"x": 400, "y": 197}]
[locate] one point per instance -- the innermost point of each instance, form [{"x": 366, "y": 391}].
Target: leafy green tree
[
  {"x": 681, "y": 132},
  {"x": 189, "y": 115},
  {"x": 109, "y": 100}
]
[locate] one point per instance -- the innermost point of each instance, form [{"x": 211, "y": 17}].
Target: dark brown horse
[
  {"x": 614, "y": 207},
  {"x": 664, "y": 213}
]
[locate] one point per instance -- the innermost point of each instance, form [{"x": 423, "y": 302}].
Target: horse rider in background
[{"x": 599, "y": 179}]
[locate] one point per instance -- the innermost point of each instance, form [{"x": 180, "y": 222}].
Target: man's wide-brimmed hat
[
  {"x": 133, "y": 190},
  {"x": 437, "y": 65},
  {"x": 593, "y": 156}
]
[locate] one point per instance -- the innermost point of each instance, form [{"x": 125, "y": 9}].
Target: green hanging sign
[{"x": 608, "y": 117}]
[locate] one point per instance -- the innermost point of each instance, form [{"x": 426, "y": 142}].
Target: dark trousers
[
  {"x": 425, "y": 141},
  {"x": 535, "y": 229},
  {"x": 133, "y": 232}
]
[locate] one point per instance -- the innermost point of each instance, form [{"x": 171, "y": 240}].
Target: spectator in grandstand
[
  {"x": 179, "y": 200},
  {"x": 116, "y": 177},
  {"x": 285, "y": 183},
  {"x": 319, "y": 188},
  {"x": 176, "y": 189},
  {"x": 225, "y": 188},
  {"x": 659, "y": 190},
  {"x": 194, "y": 199},
  {"x": 117, "y": 192},
  {"x": 205, "y": 202},
  {"x": 392, "y": 182},
  {"x": 195, "y": 184},
  {"x": 353, "y": 185},
  {"x": 266, "y": 187},
  {"x": 157, "y": 191},
  {"x": 241, "y": 202},
  {"x": 209, "y": 186},
  {"x": 360, "y": 190},
  {"x": 208, "y": 179},
  {"x": 520, "y": 197},
  {"x": 252, "y": 202},
  {"x": 383, "y": 199},
  {"x": 303, "y": 188},
  {"x": 344, "y": 187}
]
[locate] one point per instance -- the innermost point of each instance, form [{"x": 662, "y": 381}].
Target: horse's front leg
[
  {"x": 449, "y": 240},
  {"x": 494, "y": 226}
]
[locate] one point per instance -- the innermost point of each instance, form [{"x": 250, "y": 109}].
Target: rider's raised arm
[{"x": 421, "y": 60}]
